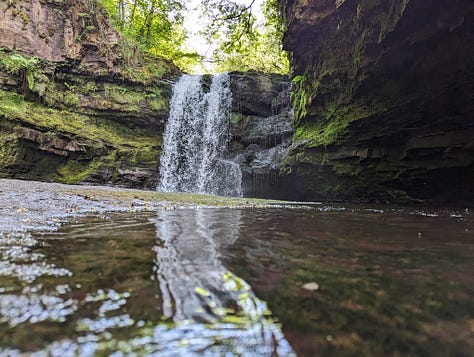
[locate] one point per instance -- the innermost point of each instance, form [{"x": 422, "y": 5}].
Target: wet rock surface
[
  {"x": 40, "y": 206},
  {"x": 382, "y": 100},
  {"x": 259, "y": 94},
  {"x": 261, "y": 130}
]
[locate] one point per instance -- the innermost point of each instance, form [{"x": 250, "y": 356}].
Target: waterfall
[{"x": 196, "y": 138}]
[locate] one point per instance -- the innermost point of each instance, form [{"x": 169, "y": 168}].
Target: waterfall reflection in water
[
  {"x": 108, "y": 305},
  {"x": 392, "y": 282},
  {"x": 214, "y": 310}
]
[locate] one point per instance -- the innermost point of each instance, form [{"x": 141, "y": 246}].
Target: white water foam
[{"x": 196, "y": 137}]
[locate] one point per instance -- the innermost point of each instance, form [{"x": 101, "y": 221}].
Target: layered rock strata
[
  {"x": 382, "y": 92},
  {"x": 261, "y": 130},
  {"x": 78, "y": 103},
  {"x": 82, "y": 105}
]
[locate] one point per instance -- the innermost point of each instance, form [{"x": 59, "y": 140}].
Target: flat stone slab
[{"x": 41, "y": 206}]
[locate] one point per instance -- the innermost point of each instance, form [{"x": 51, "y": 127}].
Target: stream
[{"x": 309, "y": 280}]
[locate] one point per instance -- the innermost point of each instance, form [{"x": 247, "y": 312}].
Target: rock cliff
[
  {"x": 381, "y": 90},
  {"x": 261, "y": 129},
  {"x": 382, "y": 93},
  {"x": 77, "y": 102}
]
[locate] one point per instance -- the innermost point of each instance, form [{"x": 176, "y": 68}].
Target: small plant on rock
[
  {"x": 299, "y": 97},
  {"x": 19, "y": 65}
]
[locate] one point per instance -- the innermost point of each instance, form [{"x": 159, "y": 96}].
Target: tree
[
  {"x": 155, "y": 25},
  {"x": 241, "y": 40}
]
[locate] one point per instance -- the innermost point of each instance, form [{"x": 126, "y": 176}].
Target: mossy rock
[{"x": 101, "y": 147}]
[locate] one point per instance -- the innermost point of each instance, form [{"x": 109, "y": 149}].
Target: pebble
[{"x": 311, "y": 286}]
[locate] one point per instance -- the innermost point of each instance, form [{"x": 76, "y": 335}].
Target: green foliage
[
  {"x": 245, "y": 42},
  {"x": 17, "y": 64},
  {"x": 141, "y": 66},
  {"x": 238, "y": 40},
  {"x": 155, "y": 25}
]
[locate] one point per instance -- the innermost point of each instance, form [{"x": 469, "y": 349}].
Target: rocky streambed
[{"x": 38, "y": 206}]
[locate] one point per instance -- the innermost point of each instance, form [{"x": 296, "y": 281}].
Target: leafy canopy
[
  {"x": 238, "y": 38},
  {"x": 155, "y": 25},
  {"x": 243, "y": 40}
]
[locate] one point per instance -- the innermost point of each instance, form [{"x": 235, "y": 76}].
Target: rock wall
[
  {"x": 261, "y": 129},
  {"x": 94, "y": 108},
  {"x": 382, "y": 93}
]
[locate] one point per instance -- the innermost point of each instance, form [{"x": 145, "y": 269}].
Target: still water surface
[{"x": 308, "y": 281}]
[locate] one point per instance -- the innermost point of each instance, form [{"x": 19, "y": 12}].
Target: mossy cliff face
[
  {"x": 77, "y": 103},
  {"x": 382, "y": 100}
]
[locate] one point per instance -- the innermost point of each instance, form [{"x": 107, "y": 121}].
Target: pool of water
[{"x": 313, "y": 280}]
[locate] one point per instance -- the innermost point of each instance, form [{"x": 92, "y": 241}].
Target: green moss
[
  {"x": 108, "y": 144},
  {"x": 145, "y": 69},
  {"x": 90, "y": 87},
  {"x": 77, "y": 171},
  {"x": 235, "y": 118},
  {"x": 158, "y": 104},
  {"x": 239, "y": 123},
  {"x": 70, "y": 99},
  {"x": 56, "y": 95},
  {"x": 72, "y": 172},
  {"x": 324, "y": 90},
  {"x": 132, "y": 100},
  {"x": 122, "y": 95},
  {"x": 141, "y": 67},
  {"x": 180, "y": 198},
  {"x": 156, "y": 100},
  {"x": 9, "y": 150},
  {"x": 24, "y": 17},
  {"x": 335, "y": 123},
  {"x": 301, "y": 96},
  {"x": 146, "y": 155},
  {"x": 15, "y": 108}
]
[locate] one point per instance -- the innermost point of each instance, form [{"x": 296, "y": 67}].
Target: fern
[
  {"x": 30, "y": 79},
  {"x": 17, "y": 64},
  {"x": 299, "y": 96}
]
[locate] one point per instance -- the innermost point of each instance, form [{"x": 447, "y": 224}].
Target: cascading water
[{"x": 196, "y": 138}]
